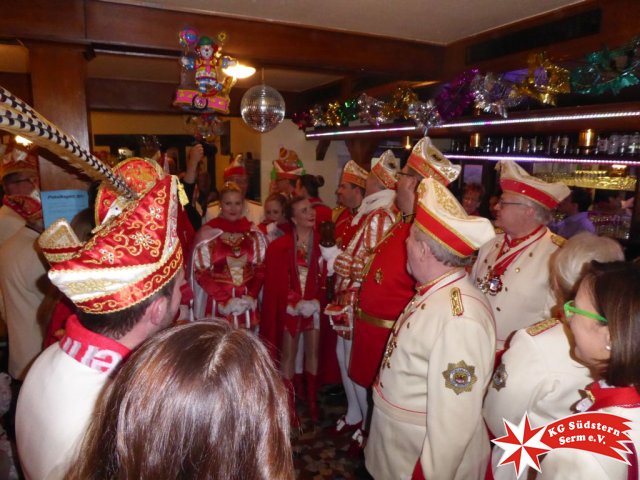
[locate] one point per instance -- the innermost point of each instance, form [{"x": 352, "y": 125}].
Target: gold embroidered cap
[
  {"x": 19, "y": 159},
  {"x": 140, "y": 174},
  {"x": 131, "y": 256},
  {"x": 354, "y": 173},
  {"x": 429, "y": 162},
  {"x": 514, "y": 179},
  {"x": 386, "y": 169},
  {"x": 441, "y": 216}
]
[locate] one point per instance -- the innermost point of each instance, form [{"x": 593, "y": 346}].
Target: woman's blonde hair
[{"x": 569, "y": 263}]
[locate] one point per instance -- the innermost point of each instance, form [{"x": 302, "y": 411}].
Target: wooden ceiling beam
[{"x": 265, "y": 42}]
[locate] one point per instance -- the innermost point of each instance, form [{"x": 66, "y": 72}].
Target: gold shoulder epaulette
[
  {"x": 254, "y": 202},
  {"x": 456, "y": 302},
  {"x": 213, "y": 204},
  {"x": 498, "y": 230},
  {"x": 335, "y": 213},
  {"x": 543, "y": 326},
  {"x": 558, "y": 240}
]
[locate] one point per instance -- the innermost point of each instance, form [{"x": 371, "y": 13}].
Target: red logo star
[{"x": 522, "y": 445}]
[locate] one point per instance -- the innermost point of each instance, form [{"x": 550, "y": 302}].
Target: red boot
[
  {"x": 298, "y": 383},
  {"x": 312, "y": 397},
  {"x": 293, "y": 416}
]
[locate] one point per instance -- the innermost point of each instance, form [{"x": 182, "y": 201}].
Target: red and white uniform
[
  {"x": 228, "y": 266},
  {"x": 428, "y": 396},
  {"x": 525, "y": 296},
  {"x": 293, "y": 277},
  {"x": 536, "y": 376},
  {"x": 375, "y": 217},
  {"x": 571, "y": 464},
  {"x": 386, "y": 289},
  {"x": 58, "y": 396}
]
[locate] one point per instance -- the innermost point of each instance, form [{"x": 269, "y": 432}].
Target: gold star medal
[{"x": 460, "y": 377}]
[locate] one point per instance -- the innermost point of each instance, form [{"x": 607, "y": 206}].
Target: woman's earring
[{"x": 608, "y": 347}]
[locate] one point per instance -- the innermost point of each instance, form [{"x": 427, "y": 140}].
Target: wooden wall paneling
[
  {"x": 362, "y": 150},
  {"x": 19, "y": 84},
  {"x": 57, "y": 20},
  {"x": 615, "y": 30},
  {"x": 58, "y": 75},
  {"x": 264, "y": 42}
]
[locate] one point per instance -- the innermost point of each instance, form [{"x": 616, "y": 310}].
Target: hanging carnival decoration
[
  {"x": 609, "y": 70},
  {"x": 493, "y": 94},
  {"x": 204, "y": 128},
  {"x": 424, "y": 114},
  {"x": 204, "y": 87},
  {"x": 606, "y": 71},
  {"x": 456, "y": 96},
  {"x": 545, "y": 80},
  {"x": 371, "y": 110},
  {"x": 262, "y": 108},
  {"x": 398, "y": 107}
]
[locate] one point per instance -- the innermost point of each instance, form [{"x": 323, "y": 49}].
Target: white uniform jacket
[
  {"x": 536, "y": 376},
  {"x": 428, "y": 395},
  {"x": 526, "y": 297}
]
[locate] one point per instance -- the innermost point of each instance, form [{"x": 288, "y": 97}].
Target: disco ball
[{"x": 262, "y": 108}]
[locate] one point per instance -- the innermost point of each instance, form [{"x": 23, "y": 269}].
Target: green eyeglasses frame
[{"x": 570, "y": 309}]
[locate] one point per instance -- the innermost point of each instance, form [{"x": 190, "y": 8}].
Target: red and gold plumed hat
[
  {"x": 235, "y": 168},
  {"x": 354, "y": 173},
  {"x": 440, "y": 216},
  {"x": 386, "y": 169},
  {"x": 130, "y": 257},
  {"x": 514, "y": 179},
  {"x": 429, "y": 162},
  {"x": 19, "y": 159},
  {"x": 288, "y": 166},
  {"x": 140, "y": 174}
]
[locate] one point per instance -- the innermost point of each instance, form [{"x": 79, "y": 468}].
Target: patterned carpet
[{"x": 317, "y": 454}]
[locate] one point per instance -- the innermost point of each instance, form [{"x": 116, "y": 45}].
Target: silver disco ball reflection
[{"x": 262, "y": 108}]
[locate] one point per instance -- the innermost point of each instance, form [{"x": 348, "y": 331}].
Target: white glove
[
  {"x": 308, "y": 308},
  {"x": 250, "y": 302},
  {"x": 235, "y": 306},
  {"x": 330, "y": 254}
]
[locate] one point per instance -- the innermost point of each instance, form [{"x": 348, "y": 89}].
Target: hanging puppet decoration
[{"x": 204, "y": 87}]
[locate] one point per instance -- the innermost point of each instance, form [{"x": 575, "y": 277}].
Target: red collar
[
  {"x": 613, "y": 397},
  {"x": 514, "y": 242},
  {"x": 91, "y": 349}
]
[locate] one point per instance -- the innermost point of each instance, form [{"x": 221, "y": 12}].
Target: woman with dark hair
[
  {"x": 604, "y": 320},
  {"x": 307, "y": 186},
  {"x": 295, "y": 275},
  {"x": 227, "y": 264},
  {"x": 197, "y": 401}
]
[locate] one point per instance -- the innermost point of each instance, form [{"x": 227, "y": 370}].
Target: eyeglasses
[
  {"x": 570, "y": 309},
  {"x": 503, "y": 203}
]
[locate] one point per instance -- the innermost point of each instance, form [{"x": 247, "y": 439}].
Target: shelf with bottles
[{"x": 585, "y": 147}]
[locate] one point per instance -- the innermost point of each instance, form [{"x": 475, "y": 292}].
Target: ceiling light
[{"x": 239, "y": 71}]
